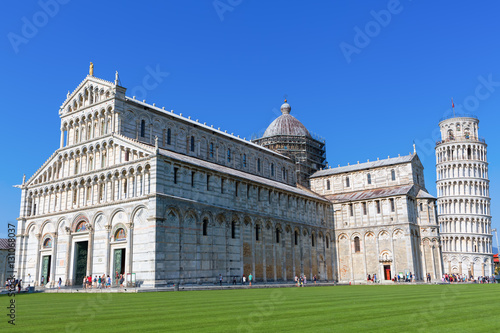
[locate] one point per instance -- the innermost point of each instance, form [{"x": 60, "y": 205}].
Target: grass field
[{"x": 398, "y": 308}]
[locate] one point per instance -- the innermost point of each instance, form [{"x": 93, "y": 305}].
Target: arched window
[
  {"x": 192, "y": 144},
  {"x": 328, "y": 185},
  {"x": 120, "y": 235},
  {"x": 233, "y": 230},
  {"x": 347, "y": 182},
  {"x": 312, "y": 240},
  {"x": 421, "y": 207},
  {"x": 272, "y": 169},
  {"x": 228, "y": 155},
  {"x": 450, "y": 134},
  {"x": 211, "y": 150},
  {"x": 296, "y": 237},
  {"x": 82, "y": 226},
  {"x": 258, "y": 165},
  {"x": 369, "y": 178},
  {"x": 327, "y": 242},
  {"x": 393, "y": 174},
  {"x": 143, "y": 128},
  {"x": 357, "y": 245},
  {"x": 47, "y": 243},
  {"x": 169, "y": 136},
  {"x": 277, "y": 235},
  {"x": 205, "y": 227},
  {"x": 257, "y": 232},
  {"x": 244, "y": 160}
]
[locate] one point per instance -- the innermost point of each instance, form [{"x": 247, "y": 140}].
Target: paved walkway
[{"x": 258, "y": 285}]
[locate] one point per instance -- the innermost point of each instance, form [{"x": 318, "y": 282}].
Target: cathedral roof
[
  {"x": 286, "y": 124},
  {"x": 240, "y": 174},
  {"x": 424, "y": 195},
  {"x": 364, "y": 166},
  {"x": 370, "y": 194}
]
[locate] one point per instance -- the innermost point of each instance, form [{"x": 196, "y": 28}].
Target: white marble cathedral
[{"x": 135, "y": 189}]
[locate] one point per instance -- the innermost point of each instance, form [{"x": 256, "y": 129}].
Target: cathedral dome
[{"x": 286, "y": 124}]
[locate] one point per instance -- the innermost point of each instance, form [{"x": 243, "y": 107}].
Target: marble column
[
  {"x": 129, "y": 253},
  {"x": 90, "y": 252}
]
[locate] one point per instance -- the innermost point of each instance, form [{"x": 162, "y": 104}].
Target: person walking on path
[
  {"x": 220, "y": 279},
  {"x": 244, "y": 280},
  {"x": 250, "y": 279},
  {"x": 59, "y": 283}
]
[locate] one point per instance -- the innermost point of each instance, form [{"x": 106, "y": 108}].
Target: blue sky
[{"x": 369, "y": 77}]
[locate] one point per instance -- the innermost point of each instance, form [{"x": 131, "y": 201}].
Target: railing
[
  {"x": 464, "y": 115},
  {"x": 461, "y": 138}
]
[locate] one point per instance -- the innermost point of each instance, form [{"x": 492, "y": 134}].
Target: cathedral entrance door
[
  {"x": 118, "y": 264},
  {"x": 46, "y": 269},
  {"x": 81, "y": 250},
  {"x": 387, "y": 272}
]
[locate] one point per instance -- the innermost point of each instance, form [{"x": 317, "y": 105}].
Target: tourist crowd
[
  {"x": 100, "y": 282},
  {"x": 456, "y": 278}
]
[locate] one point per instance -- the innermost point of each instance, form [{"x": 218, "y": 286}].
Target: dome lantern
[{"x": 286, "y": 108}]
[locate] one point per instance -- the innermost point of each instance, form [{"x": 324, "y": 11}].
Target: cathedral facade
[
  {"x": 385, "y": 221},
  {"x": 137, "y": 190}
]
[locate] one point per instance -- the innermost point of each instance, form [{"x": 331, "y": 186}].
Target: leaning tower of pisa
[{"x": 463, "y": 198}]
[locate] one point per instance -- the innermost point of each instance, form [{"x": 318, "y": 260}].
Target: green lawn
[{"x": 399, "y": 308}]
